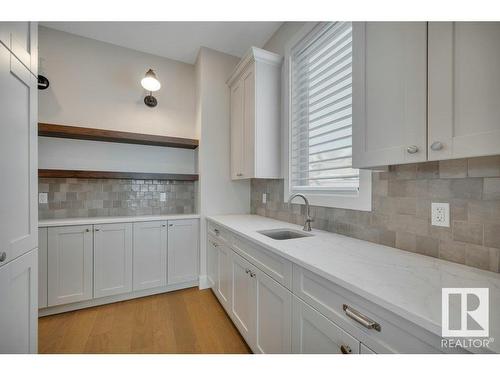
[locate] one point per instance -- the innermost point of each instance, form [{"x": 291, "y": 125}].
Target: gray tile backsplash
[
  {"x": 401, "y": 212},
  {"x": 75, "y": 197}
]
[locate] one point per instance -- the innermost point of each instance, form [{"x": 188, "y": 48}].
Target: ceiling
[{"x": 175, "y": 40}]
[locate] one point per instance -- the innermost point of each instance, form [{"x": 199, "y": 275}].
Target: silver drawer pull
[
  {"x": 360, "y": 318},
  {"x": 345, "y": 349},
  {"x": 214, "y": 244},
  {"x": 216, "y": 231}
]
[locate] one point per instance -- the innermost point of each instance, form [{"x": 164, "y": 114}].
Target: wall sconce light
[{"x": 150, "y": 83}]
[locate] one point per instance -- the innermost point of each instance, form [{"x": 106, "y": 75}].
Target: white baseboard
[
  {"x": 111, "y": 299},
  {"x": 203, "y": 282}
]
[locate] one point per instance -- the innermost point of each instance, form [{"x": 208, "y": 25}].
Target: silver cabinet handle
[
  {"x": 214, "y": 244},
  {"x": 252, "y": 274},
  {"x": 360, "y": 318},
  {"x": 164, "y": 225},
  {"x": 170, "y": 225},
  {"x": 239, "y": 174},
  {"x": 3, "y": 256},
  {"x": 345, "y": 349},
  {"x": 87, "y": 230},
  {"x": 412, "y": 149},
  {"x": 97, "y": 229},
  {"x": 216, "y": 231},
  {"x": 436, "y": 146}
]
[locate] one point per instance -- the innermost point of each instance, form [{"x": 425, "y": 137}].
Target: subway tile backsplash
[
  {"x": 401, "y": 212},
  {"x": 75, "y": 197}
]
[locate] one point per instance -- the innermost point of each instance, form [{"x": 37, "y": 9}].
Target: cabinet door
[
  {"x": 224, "y": 280},
  {"x": 243, "y": 307},
  {"x": 274, "y": 316},
  {"x": 18, "y": 306},
  {"x": 182, "y": 251},
  {"x": 18, "y": 158},
  {"x": 69, "y": 264},
  {"x": 22, "y": 39},
  {"x": 212, "y": 256},
  {"x": 42, "y": 267},
  {"x": 248, "y": 79},
  {"x": 112, "y": 259},
  {"x": 464, "y": 89},
  {"x": 313, "y": 333},
  {"x": 237, "y": 148},
  {"x": 150, "y": 255},
  {"x": 389, "y": 75}
]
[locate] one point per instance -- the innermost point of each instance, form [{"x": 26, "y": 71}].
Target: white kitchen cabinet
[
  {"x": 464, "y": 89},
  {"x": 389, "y": 93},
  {"x": 42, "y": 267},
  {"x": 22, "y": 39},
  {"x": 69, "y": 264},
  {"x": 112, "y": 259},
  {"x": 274, "y": 316},
  {"x": 255, "y": 116},
  {"x": 150, "y": 255},
  {"x": 244, "y": 298},
  {"x": 18, "y": 158},
  {"x": 224, "y": 276},
  {"x": 212, "y": 256},
  {"x": 183, "y": 251},
  {"x": 18, "y": 305},
  {"x": 313, "y": 333}
]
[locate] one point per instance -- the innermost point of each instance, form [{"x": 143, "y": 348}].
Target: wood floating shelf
[
  {"x": 64, "y": 173},
  {"x": 90, "y": 134}
]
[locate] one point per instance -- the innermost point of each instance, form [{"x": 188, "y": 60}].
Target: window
[{"x": 319, "y": 117}]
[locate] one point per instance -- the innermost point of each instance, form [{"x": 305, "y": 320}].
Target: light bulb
[{"x": 150, "y": 81}]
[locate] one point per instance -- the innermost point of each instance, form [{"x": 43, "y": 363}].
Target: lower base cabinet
[
  {"x": 182, "y": 251},
  {"x": 112, "y": 259},
  {"x": 212, "y": 255},
  {"x": 224, "y": 284},
  {"x": 19, "y": 305},
  {"x": 313, "y": 333}
]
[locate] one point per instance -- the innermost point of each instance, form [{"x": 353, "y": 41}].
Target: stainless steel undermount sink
[{"x": 284, "y": 234}]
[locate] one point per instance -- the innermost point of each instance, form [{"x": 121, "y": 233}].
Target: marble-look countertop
[
  {"x": 405, "y": 283},
  {"x": 111, "y": 219}
]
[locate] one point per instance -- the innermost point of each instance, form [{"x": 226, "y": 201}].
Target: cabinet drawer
[
  {"x": 275, "y": 266},
  {"x": 219, "y": 233},
  {"x": 396, "y": 334}
]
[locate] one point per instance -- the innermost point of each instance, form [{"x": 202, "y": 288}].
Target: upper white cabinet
[
  {"x": 425, "y": 91},
  {"x": 112, "y": 259},
  {"x": 69, "y": 262},
  {"x": 18, "y": 158},
  {"x": 22, "y": 39},
  {"x": 182, "y": 251},
  {"x": 150, "y": 254},
  {"x": 389, "y": 93},
  {"x": 464, "y": 89},
  {"x": 255, "y": 116},
  {"x": 18, "y": 305}
]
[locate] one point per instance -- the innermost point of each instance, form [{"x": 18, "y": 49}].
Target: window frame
[{"x": 360, "y": 200}]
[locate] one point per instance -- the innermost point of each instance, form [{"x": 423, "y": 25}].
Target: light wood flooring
[{"x": 185, "y": 321}]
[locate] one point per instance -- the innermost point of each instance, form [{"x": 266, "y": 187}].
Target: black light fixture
[
  {"x": 150, "y": 83},
  {"x": 43, "y": 82}
]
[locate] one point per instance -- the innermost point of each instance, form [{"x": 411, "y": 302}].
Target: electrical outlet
[
  {"x": 264, "y": 198},
  {"x": 163, "y": 197},
  {"x": 43, "y": 198},
  {"x": 440, "y": 214}
]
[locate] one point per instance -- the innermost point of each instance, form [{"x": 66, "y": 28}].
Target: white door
[
  {"x": 42, "y": 267},
  {"x": 18, "y": 305},
  {"x": 150, "y": 255},
  {"x": 224, "y": 279},
  {"x": 313, "y": 333},
  {"x": 274, "y": 316},
  {"x": 244, "y": 300},
  {"x": 389, "y": 93},
  {"x": 18, "y": 158},
  {"x": 248, "y": 79},
  {"x": 237, "y": 148},
  {"x": 182, "y": 251},
  {"x": 212, "y": 256},
  {"x": 112, "y": 259},
  {"x": 69, "y": 264},
  {"x": 22, "y": 39},
  {"x": 464, "y": 89}
]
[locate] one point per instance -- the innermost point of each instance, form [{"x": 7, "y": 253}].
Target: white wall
[
  {"x": 280, "y": 38},
  {"x": 218, "y": 194},
  {"x": 57, "y": 153}
]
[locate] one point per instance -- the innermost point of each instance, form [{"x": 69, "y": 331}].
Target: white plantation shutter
[{"x": 321, "y": 111}]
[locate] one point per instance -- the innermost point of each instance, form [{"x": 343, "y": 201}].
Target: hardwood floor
[{"x": 185, "y": 321}]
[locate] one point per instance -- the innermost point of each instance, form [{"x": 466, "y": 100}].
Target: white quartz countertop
[
  {"x": 405, "y": 283},
  {"x": 111, "y": 219}
]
